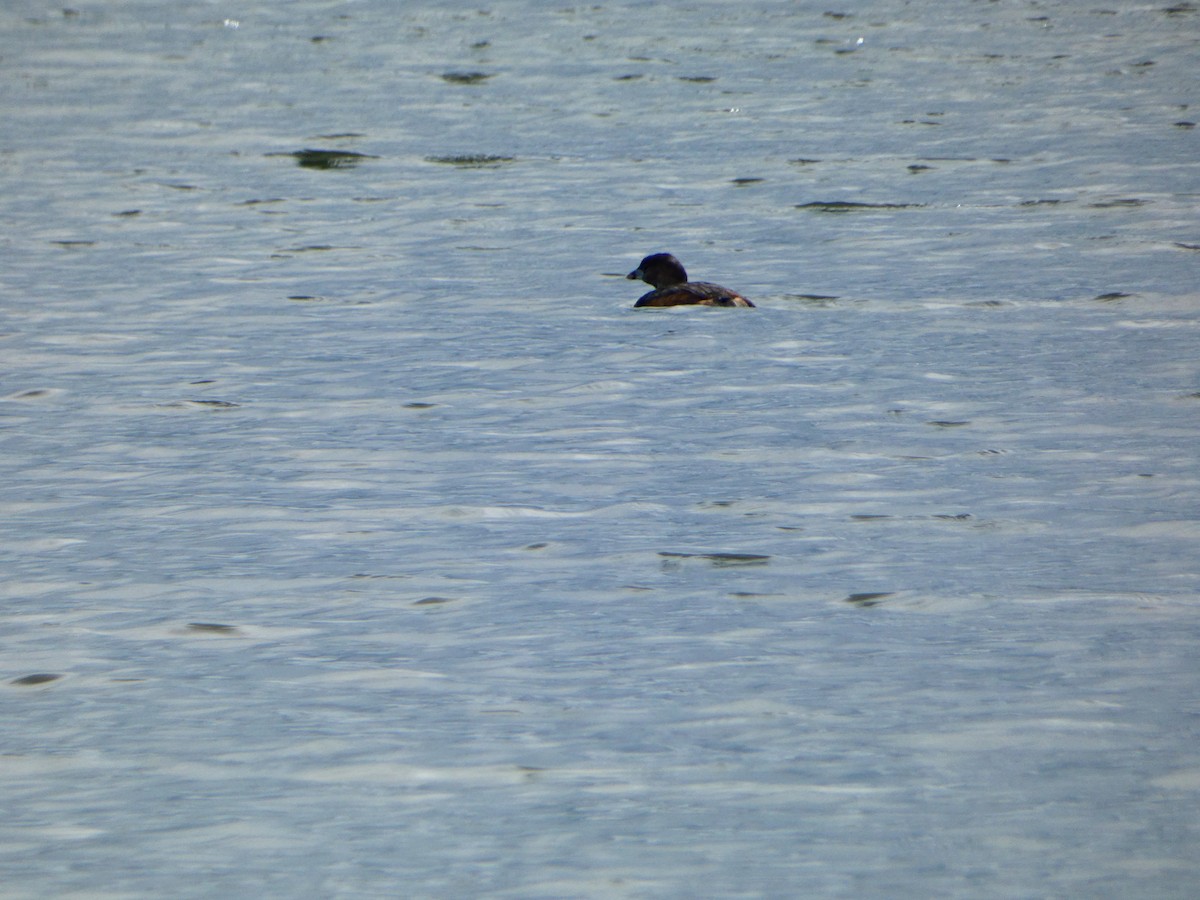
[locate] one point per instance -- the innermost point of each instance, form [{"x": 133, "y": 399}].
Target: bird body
[{"x": 671, "y": 286}]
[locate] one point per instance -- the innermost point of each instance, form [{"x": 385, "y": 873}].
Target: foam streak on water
[{"x": 359, "y": 539}]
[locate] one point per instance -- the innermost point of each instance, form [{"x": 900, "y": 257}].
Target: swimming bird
[{"x": 672, "y": 288}]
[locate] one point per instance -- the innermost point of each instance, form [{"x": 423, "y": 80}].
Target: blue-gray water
[{"x": 359, "y": 539}]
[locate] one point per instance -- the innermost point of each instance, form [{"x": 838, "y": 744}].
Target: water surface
[{"x": 360, "y": 539}]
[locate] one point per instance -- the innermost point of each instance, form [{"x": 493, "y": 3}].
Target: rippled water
[{"x": 359, "y": 538}]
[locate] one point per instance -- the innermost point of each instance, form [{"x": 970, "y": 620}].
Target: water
[{"x": 360, "y": 540}]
